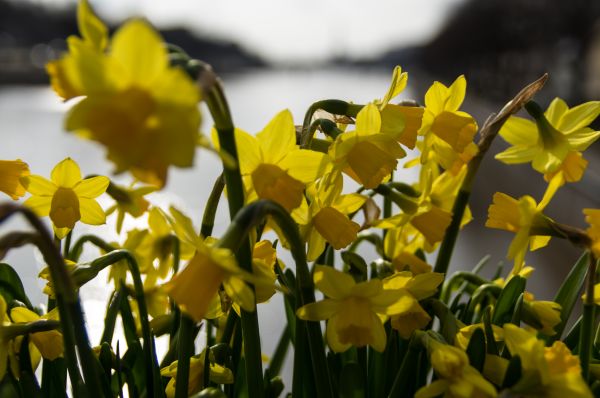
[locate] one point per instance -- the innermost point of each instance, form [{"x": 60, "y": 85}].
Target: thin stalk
[
  {"x": 488, "y": 132},
  {"x": 186, "y": 350},
  {"x": 217, "y": 104},
  {"x": 587, "y": 322},
  {"x": 210, "y": 211}
]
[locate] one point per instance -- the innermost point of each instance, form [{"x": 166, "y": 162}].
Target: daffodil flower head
[
  {"x": 66, "y": 197},
  {"x": 542, "y": 315},
  {"x": 128, "y": 200},
  {"x": 273, "y": 166},
  {"x": 143, "y": 111},
  {"x": 367, "y": 154},
  {"x": 218, "y": 374},
  {"x": 548, "y": 141},
  {"x": 412, "y": 288},
  {"x": 10, "y": 173},
  {"x": 352, "y": 309},
  {"x": 50, "y": 343},
  {"x": 456, "y": 377},
  {"x": 523, "y": 217},
  {"x": 557, "y": 370},
  {"x": 442, "y": 121},
  {"x": 328, "y": 218}
]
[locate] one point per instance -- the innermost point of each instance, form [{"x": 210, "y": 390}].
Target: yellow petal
[
  {"x": 91, "y": 27},
  {"x": 579, "y": 116},
  {"x": 333, "y": 338},
  {"x": 455, "y": 129},
  {"x": 140, "y": 51},
  {"x": 91, "y": 187},
  {"x": 91, "y": 212},
  {"x": 331, "y": 282},
  {"x": 519, "y": 131},
  {"x": 240, "y": 293},
  {"x": 39, "y": 204},
  {"x": 304, "y": 165},
  {"x": 10, "y": 173},
  {"x": 378, "y": 333},
  {"x": 368, "y": 120},
  {"x": 335, "y": 227},
  {"x": 318, "y": 311},
  {"x": 555, "y": 111},
  {"x": 399, "y": 80},
  {"x": 435, "y": 389},
  {"x": 278, "y": 137},
  {"x": 456, "y": 94},
  {"x": 38, "y": 185},
  {"x": 66, "y": 173}
]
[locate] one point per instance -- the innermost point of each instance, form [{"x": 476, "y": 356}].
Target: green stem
[
  {"x": 210, "y": 211},
  {"x": 587, "y": 323},
  {"x": 69, "y": 306},
  {"x": 336, "y": 107},
  {"x": 186, "y": 350},
  {"x": 154, "y": 388},
  {"x": 237, "y": 233},
  {"x": 217, "y": 104},
  {"x": 77, "y": 248}
]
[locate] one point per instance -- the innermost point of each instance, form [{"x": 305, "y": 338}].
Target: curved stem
[
  {"x": 237, "y": 233},
  {"x": 69, "y": 306}
]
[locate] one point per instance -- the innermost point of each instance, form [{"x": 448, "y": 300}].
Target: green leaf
[
  {"x": 568, "y": 294},
  {"x": 507, "y": 300},
  {"x": 27, "y": 380},
  {"x": 351, "y": 381},
  {"x": 513, "y": 372},
  {"x": 11, "y": 286},
  {"x": 476, "y": 349},
  {"x": 358, "y": 266},
  {"x": 492, "y": 348},
  {"x": 516, "y": 316}
]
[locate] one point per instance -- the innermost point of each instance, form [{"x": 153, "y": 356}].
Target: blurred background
[{"x": 289, "y": 54}]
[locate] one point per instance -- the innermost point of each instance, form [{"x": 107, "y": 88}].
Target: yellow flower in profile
[
  {"x": 403, "y": 121},
  {"x": 218, "y": 374},
  {"x": 556, "y": 369},
  {"x": 463, "y": 336},
  {"x": 592, "y": 217},
  {"x": 367, "y": 154},
  {"x": 448, "y": 132},
  {"x": 143, "y": 111},
  {"x": 456, "y": 378},
  {"x": 50, "y": 343},
  {"x": 194, "y": 289},
  {"x": 328, "y": 218},
  {"x": 66, "y": 197},
  {"x": 352, "y": 309},
  {"x": 548, "y": 141},
  {"x": 412, "y": 289},
  {"x": 523, "y": 217},
  {"x": 273, "y": 166},
  {"x": 128, "y": 201},
  {"x": 10, "y": 173}
]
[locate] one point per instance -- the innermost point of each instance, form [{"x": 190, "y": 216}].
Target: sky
[{"x": 287, "y": 31}]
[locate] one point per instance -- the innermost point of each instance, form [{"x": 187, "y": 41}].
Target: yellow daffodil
[
  {"x": 118, "y": 271},
  {"x": 400, "y": 245},
  {"x": 263, "y": 265},
  {"x": 548, "y": 141},
  {"x": 368, "y": 155},
  {"x": 412, "y": 289},
  {"x": 523, "y": 217},
  {"x": 142, "y": 110},
  {"x": 50, "y": 343},
  {"x": 352, "y": 309},
  {"x": 155, "y": 251},
  {"x": 592, "y": 217},
  {"x": 10, "y": 173},
  {"x": 448, "y": 132},
  {"x": 556, "y": 369},
  {"x": 328, "y": 219},
  {"x": 429, "y": 213},
  {"x": 128, "y": 201},
  {"x": 403, "y": 121},
  {"x": 273, "y": 166},
  {"x": 456, "y": 378},
  {"x": 194, "y": 289},
  {"x": 218, "y": 374},
  {"x": 66, "y": 197}
]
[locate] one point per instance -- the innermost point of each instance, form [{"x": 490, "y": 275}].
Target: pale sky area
[{"x": 293, "y": 30}]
